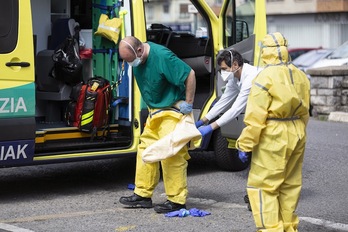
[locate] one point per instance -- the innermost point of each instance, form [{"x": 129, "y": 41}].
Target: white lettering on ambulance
[
  {"x": 13, "y": 104},
  {"x": 10, "y": 153},
  {"x": 13, "y": 153},
  {"x": 5, "y": 101},
  {"x": 20, "y": 151}
]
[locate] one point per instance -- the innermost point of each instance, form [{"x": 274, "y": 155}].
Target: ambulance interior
[{"x": 191, "y": 42}]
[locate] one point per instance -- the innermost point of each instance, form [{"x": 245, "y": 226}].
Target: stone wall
[{"x": 329, "y": 90}]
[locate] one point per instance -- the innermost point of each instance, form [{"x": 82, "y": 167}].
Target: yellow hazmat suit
[
  {"x": 276, "y": 117},
  {"x": 184, "y": 134},
  {"x": 159, "y": 124}
]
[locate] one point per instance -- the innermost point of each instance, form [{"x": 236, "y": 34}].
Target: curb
[{"x": 338, "y": 117}]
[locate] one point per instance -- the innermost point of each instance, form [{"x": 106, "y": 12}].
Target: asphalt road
[{"x": 83, "y": 197}]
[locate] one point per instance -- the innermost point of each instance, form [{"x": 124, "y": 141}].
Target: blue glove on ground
[
  {"x": 244, "y": 156},
  {"x": 131, "y": 186},
  {"x": 178, "y": 213},
  {"x": 184, "y": 212},
  {"x": 185, "y": 107},
  {"x": 198, "y": 213},
  {"x": 199, "y": 123}
]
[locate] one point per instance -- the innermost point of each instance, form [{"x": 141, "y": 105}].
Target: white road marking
[
  {"x": 11, "y": 228},
  {"x": 325, "y": 223},
  {"x": 314, "y": 221}
]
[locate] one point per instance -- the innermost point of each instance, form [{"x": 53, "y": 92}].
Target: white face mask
[
  {"x": 136, "y": 62},
  {"x": 227, "y": 75}
]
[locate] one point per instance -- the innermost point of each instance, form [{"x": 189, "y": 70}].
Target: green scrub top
[{"x": 161, "y": 79}]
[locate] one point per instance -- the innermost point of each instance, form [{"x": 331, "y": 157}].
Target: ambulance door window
[
  {"x": 176, "y": 17},
  {"x": 8, "y": 25},
  {"x": 239, "y": 21},
  {"x": 245, "y": 15}
]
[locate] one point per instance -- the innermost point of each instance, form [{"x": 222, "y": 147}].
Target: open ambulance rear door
[{"x": 17, "y": 96}]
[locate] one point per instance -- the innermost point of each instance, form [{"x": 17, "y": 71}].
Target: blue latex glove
[
  {"x": 173, "y": 214},
  {"x": 178, "y": 213},
  {"x": 131, "y": 186},
  {"x": 185, "y": 107},
  {"x": 198, "y": 213},
  {"x": 244, "y": 156},
  {"x": 199, "y": 123},
  {"x": 206, "y": 132}
]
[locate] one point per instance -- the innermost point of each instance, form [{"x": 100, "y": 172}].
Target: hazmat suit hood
[{"x": 274, "y": 49}]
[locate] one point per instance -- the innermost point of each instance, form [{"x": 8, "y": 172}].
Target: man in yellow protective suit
[
  {"x": 167, "y": 85},
  {"x": 276, "y": 118}
]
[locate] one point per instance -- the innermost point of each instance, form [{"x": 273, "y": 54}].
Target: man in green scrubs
[{"x": 167, "y": 85}]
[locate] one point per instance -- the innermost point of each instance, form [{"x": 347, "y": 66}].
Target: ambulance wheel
[{"x": 227, "y": 159}]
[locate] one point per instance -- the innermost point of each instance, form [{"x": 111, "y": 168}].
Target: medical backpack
[{"x": 89, "y": 106}]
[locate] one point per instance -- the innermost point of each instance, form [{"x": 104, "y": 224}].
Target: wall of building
[
  {"x": 309, "y": 23},
  {"x": 327, "y": 30},
  {"x": 290, "y": 6},
  {"x": 305, "y": 6}
]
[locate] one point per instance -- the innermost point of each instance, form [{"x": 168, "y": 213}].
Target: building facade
[
  {"x": 305, "y": 23},
  {"x": 309, "y": 23}
]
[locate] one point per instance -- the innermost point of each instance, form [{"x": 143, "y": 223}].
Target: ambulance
[{"x": 33, "y": 104}]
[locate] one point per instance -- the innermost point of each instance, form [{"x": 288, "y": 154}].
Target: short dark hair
[{"x": 225, "y": 55}]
